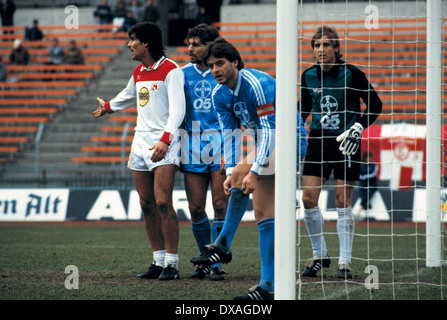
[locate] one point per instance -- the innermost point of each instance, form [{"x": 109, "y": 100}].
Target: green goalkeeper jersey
[{"x": 333, "y": 99}]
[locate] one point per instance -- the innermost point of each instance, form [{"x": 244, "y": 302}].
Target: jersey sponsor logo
[
  {"x": 143, "y": 96},
  {"x": 202, "y": 91},
  {"x": 329, "y": 106},
  {"x": 240, "y": 110}
]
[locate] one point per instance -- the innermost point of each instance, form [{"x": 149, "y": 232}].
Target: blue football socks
[
  {"x": 237, "y": 206},
  {"x": 215, "y": 231},
  {"x": 266, "y": 229},
  {"x": 201, "y": 230},
  {"x": 216, "y": 228}
]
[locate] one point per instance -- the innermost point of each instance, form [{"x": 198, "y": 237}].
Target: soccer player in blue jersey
[
  {"x": 202, "y": 148},
  {"x": 331, "y": 91},
  {"x": 246, "y": 97}
]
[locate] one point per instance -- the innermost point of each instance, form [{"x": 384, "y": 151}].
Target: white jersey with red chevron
[{"x": 159, "y": 94}]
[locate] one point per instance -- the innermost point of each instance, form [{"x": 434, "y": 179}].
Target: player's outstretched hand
[
  {"x": 350, "y": 139},
  {"x": 100, "y": 111}
]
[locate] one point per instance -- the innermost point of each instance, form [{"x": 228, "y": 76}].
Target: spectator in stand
[
  {"x": 33, "y": 33},
  {"x": 56, "y": 53},
  {"x": 203, "y": 17},
  {"x": 19, "y": 54},
  {"x": 73, "y": 55},
  {"x": 103, "y": 14},
  {"x": 135, "y": 7},
  {"x": 3, "y": 71},
  {"x": 128, "y": 22},
  {"x": 120, "y": 9},
  {"x": 150, "y": 12},
  {"x": 212, "y": 8},
  {"x": 7, "y": 9},
  {"x": 119, "y": 15}
]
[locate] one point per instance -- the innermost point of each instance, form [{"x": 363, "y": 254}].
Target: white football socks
[
  {"x": 159, "y": 258},
  {"x": 314, "y": 225},
  {"x": 163, "y": 259},
  {"x": 171, "y": 259},
  {"x": 345, "y": 230}
]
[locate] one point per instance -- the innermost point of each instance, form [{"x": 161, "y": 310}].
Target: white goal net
[{"x": 399, "y": 247}]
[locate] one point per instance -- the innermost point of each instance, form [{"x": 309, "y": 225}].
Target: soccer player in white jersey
[
  {"x": 202, "y": 148},
  {"x": 246, "y": 97},
  {"x": 157, "y": 88}
]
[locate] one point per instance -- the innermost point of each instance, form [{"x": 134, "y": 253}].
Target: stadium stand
[
  {"x": 382, "y": 54},
  {"x": 386, "y": 55},
  {"x": 39, "y": 93}
]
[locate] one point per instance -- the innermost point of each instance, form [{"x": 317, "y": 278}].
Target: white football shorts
[{"x": 140, "y": 155}]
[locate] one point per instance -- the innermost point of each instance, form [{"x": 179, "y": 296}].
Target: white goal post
[
  {"x": 285, "y": 166},
  {"x": 286, "y": 184},
  {"x": 434, "y": 115}
]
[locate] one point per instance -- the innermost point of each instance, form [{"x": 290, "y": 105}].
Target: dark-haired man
[
  {"x": 202, "y": 148},
  {"x": 157, "y": 87},
  {"x": 246, "y": 97}
]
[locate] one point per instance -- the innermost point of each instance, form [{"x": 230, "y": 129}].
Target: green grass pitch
[{"x": 108, "y": 255}]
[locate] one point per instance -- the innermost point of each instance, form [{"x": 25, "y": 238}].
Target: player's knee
[
  {"x": 341, "y": 201},
  {"x": 197, "y": 211},
  {"x": 309, "y": 202},
  {"x": 220, "y": 208},
  {"x": 147, "y": 207},
  {"x": 163, "y": 205}
]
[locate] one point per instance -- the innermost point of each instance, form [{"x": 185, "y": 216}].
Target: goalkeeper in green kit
[{"x": 331, "y": 91}]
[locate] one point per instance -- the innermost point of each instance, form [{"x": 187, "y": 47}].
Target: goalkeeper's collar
[{"x": 333, "y": 71}]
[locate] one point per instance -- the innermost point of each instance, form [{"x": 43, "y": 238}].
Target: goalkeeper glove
[{"x": 350, "y": 139}]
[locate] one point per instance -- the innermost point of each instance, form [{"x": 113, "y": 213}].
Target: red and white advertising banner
[{"x": 399, "y": 150}]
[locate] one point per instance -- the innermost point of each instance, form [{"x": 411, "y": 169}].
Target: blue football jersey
[
  {"x": 251, "y": 104},
  {"x": 203, "y": 143},
  {"x": 199, "y": 86}
]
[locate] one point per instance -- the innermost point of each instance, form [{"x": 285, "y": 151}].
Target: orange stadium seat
[
  {"x": 98, "y": 159},
  {"x": 34, "y": 111},
  {"x": 34, "y": 93},
  {"x": 6, "y": 140},
  {"x": 27, "y": 101},
  {"x": 104, "y": 149},
  {"x": 111, "y": 139},
  {"x": 15, "y": 120},
  {"x": 42, "y": 84}
]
